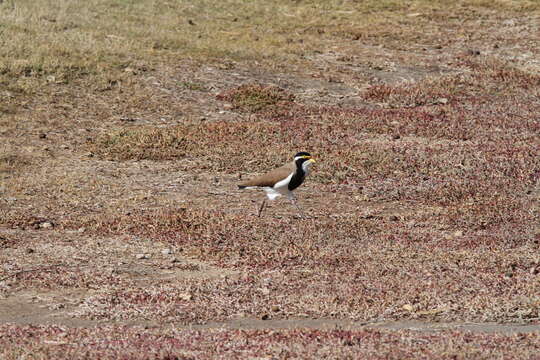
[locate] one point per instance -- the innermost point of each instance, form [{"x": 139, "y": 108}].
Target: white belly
[{"x": 280, "y": 188}]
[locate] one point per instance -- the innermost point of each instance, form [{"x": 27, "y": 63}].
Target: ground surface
[{"x": 125, "y": 126}]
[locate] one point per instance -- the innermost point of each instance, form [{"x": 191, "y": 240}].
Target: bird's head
[{"x": 304, "y": 160}]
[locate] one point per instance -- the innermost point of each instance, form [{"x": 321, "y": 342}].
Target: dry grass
[
  {"x": 254, "y": 97},
  {"x": 139, "y": 343},
  {"x": 67, "y": 40},
  {"x": 125, "y": 127}
]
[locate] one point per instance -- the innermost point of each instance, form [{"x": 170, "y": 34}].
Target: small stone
[
  {"x": 142, "y": 256},
  {"x": 166, "y": 251},
  {"x": 508, "y": 275},
  {"x": 185, "y": 296},
  {"x": 42, "y": 136},
  {"x": 29, "y": 250},
  {"x": 533, "y": 270},
  {"x": 408, "y": 307},
  {"x": 81, "y": 230},
  {"x": 46, "y": 225},
  {"x": 265, "y": 317},
  {"x": 65, "y": 147},
  {"x": 275, "y": 308},
  {"x": 442, "y": 101},
  {"x": 175, "y": 260},
  {"x": 393, "y": 218},
  {"x": 265, "y": 291},
  {"x": 458, "y": 233},
  {"x": 396, "y": 137}
]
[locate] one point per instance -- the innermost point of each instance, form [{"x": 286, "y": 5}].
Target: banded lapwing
[{"x": 283, "y": 180}]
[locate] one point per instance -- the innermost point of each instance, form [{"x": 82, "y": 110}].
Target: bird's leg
[
  {"x": 295, "y": 203},
  {"x": 261, "y": 208}
]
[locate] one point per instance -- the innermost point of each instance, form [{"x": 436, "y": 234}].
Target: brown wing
[{"x": 270, "y": 178}]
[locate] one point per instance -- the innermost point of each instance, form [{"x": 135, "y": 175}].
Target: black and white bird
[{"x": 283, "y": 180}]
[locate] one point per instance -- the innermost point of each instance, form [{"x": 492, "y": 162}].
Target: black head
[
  {"x": 303, "y": 157},
  {"x": 302, "y": 154}
]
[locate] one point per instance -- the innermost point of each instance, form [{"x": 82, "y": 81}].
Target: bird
[{"x": 283, "y": 180}]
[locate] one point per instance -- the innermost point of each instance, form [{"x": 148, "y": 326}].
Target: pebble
[
  {"x": 166, "y": 251},
  {"x": 408, "y": 307},
  {"x": 265, "y": 291},
  {"x": 442, "y": 101},
  {"x": 46, "y": 225},
  {"x": 185, "y": 296},
  {"x": 142, "y": 256}
]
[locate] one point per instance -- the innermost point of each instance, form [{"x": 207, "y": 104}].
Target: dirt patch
[{"x": 332, "y": 324}]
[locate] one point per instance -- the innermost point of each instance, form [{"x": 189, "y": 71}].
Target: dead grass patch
[
  {"x": 67, "y": 40},
  {"x": 482, "y": 80},
  {"x": 146, "y": 143},
  {"x": 113, "y": 342},
  {"x": 357, "y": 268},
  {"x": 255, "y": 97},
  {"x": 11, "y": 163}
]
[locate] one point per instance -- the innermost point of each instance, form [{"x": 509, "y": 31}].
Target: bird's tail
[{"x": 242, "y": 186}]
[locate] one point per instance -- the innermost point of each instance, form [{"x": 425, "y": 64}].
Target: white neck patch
[{"x": 306, "y": 165}]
